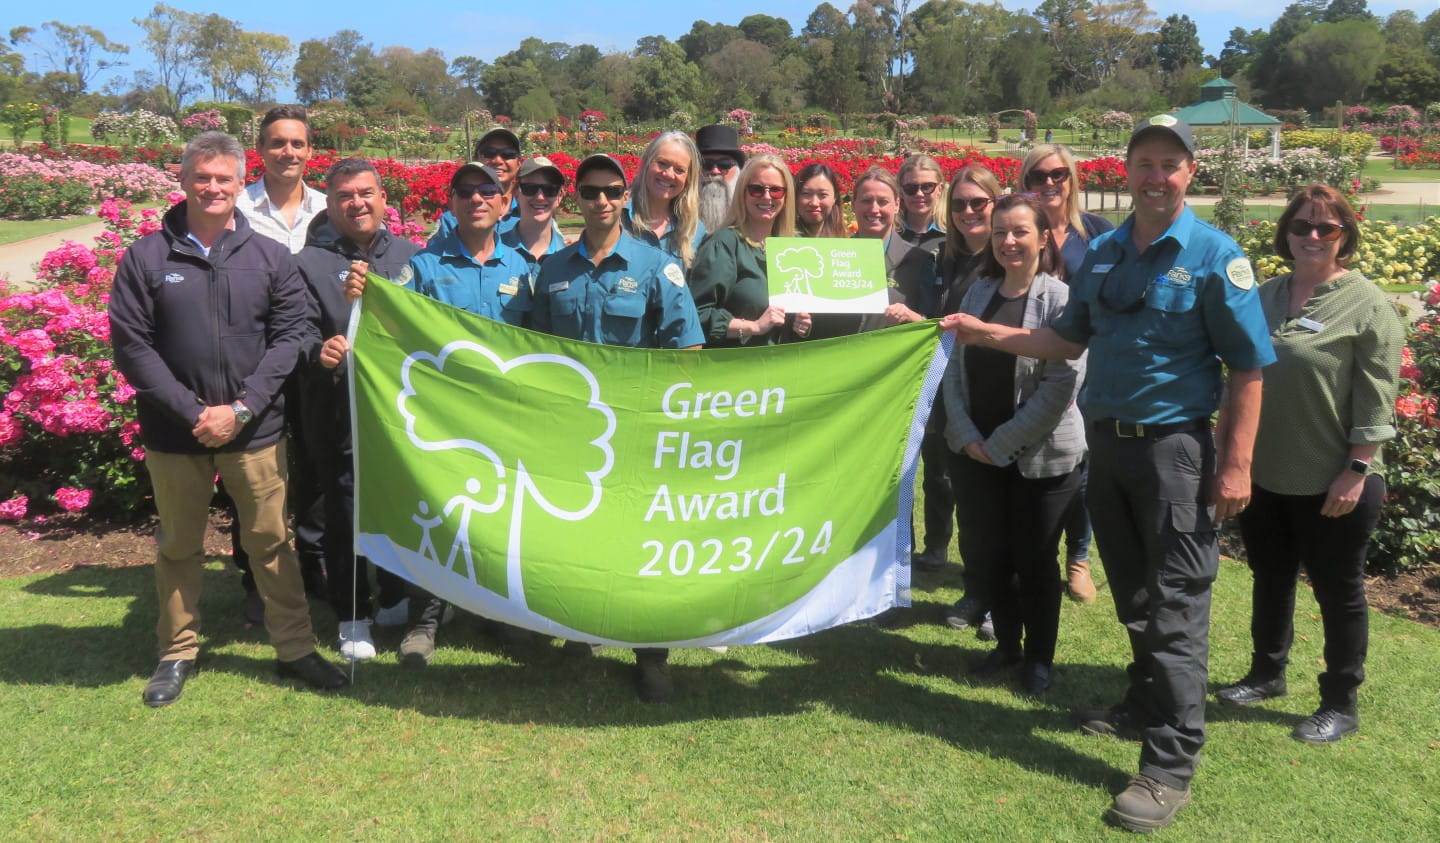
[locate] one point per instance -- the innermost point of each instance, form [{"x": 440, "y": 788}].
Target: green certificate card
[{"x": 827, "y": 275}]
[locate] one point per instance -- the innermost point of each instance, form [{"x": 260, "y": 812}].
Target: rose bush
[
  {"x": 1408, "y": 535},
  {"x": 35, "y": 186}
]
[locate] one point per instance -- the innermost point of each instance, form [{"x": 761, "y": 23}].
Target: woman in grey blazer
[{"x": 1018, "y": 443}]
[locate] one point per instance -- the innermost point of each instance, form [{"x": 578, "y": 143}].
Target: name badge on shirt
[
  {"x": 558, "y": 286},
  {"x": 509, "y": 289},
  {"x": 1102, "y": 267},
  {"x": 1307, "y": 322}
]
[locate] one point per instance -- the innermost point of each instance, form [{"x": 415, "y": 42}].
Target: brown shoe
[
  {"x": 1147, "y": 805},
  {"x": 1078, "y": 582},
  {"x": 417, "y": 648}
]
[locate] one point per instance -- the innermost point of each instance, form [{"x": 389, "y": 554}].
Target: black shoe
[
  {"x": 1250, "y": 690},
  {"x": 253, "y": 608},
  {"x": 966, "y": 612},
  {"x": 995, "y": 661},
  {"x": 314, "y": 671},
  {"x": 653, "y": 682},
  {"x": 168, "y": 682},
  {"x": 1035, "y": 678},
  {"x": 931, "y": 559},
  {"x": 1117, "y": 721},
  {"x": 1327, "y": 725}
]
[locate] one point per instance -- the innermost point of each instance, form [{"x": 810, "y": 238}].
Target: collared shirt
[
  {"x": 929, "y": 239},
  {"x": 497, "y": 289},
  {"x": 636, "y": 297},
  {"x": 511, "y": 237},
  {"x": 1332, "y": 386},
  {"x": 1156, "y": 318},
  {"x": 668, "y": 244},
  {"x": 265, "y": 216}
]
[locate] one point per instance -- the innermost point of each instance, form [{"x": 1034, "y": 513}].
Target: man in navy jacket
[{"x": 208, "y": 318}]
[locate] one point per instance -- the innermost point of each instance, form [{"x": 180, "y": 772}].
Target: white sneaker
[
  {"x": 397, "y": 615},
  {"x": 356, "y": 645},
  {"x": 718, "y": 648}
]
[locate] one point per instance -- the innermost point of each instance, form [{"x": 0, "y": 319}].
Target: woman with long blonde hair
[{"x": 665, "y": 197}]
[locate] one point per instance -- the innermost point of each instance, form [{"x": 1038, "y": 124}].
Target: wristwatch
[
  {"x": 1360, "y": 467},
  {"x": 242, "y": 413}
]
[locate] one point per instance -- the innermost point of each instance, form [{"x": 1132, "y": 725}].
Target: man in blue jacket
[{"x": 207, "y": 320}]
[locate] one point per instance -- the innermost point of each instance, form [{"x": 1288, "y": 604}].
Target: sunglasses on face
[
  {"x": 724, "y": 165},
  {"x": 591, "y": 192},
  {"x": 505, "y": 152},
  {"x": 760, "y": 191},
  {"x": 1059, "y": 175},
  {"x": 927, "y": 188},
  {"x": 1328, "y": 231},
  {"x": 549, "y": 191},
  {"x": 487, "y": 190},
  {"x": 974, "y": 206}
]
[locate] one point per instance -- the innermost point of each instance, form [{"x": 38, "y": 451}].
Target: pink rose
[
  {"x": 11, "y": 431},
  {"x": 15, "y": 508},
  {"x": 72, "y": 500}
]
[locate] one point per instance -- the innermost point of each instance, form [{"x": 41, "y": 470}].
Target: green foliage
[
  {"x": 33, "y": 198},
  {"x": 20, "y": 118},
  {"x": 1408, "y": 535}
]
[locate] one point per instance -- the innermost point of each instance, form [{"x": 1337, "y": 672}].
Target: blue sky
[{"x": 487, "y": 29}]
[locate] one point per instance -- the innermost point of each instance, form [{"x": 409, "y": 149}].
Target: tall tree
[
  {"x": 169, "y": 38},
  {"x": 76, "y": 52},
  {"x": 773, "y": 32},
  {"x": 1339, "y": 10},
  {"x": 1239, "y": 51},
  {"x": 740, "y": 75},
  {"x": 1335, "y": 60},
  {"x": 706, "y": 39},
  {"x": 957, "y": 53},
  {"x": 1179, "y": 44},
  {"x": 835, "y": 81},
  {"x": 664, "y": 81},
  {"x": 1269, "y": 71}
]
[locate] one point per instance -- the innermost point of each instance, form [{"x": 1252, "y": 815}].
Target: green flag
[{"x": 637, "y": 496}]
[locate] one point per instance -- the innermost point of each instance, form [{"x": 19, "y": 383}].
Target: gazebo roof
[{"x": 1214, "y": 108}]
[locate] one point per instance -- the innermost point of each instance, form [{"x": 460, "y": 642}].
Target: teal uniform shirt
[
  {"x": 636, "y": 297},
  {"x": 1158, "y": 321},
  {"x": 497, "y": 289},
  {"x": 667, "y": 244},
  {"x": 511, "y": 237}
]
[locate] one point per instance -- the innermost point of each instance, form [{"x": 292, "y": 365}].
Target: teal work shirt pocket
[{"x": 621, "y": 319}]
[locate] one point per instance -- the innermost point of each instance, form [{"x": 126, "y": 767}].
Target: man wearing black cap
[
  {"x": 1160, "y": 302},
  {"x": 720, "y": 162},
  {"x": 611, "y": 288}
]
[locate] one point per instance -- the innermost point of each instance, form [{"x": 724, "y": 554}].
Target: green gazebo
[{"x": 1219, "y": 109}]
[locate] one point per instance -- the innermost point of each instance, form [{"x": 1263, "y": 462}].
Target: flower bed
[{"x": 36, "y": 186}]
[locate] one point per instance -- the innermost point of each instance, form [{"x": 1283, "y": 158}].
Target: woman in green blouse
[
  {"x": 1316, "y": 481},
  {"x": 728, "y": 277}
]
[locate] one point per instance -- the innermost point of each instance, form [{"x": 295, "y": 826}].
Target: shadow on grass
[{"x": 865, "y": 671}]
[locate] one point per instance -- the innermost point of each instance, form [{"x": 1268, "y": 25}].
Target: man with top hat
[
  {"x": 611, "y": 288},
  {"x": 720, "y": 163},
  {"x": 1160, "y": 302}
]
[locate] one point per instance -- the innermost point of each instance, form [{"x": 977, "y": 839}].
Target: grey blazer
[{"x": 1046, "y": 437}]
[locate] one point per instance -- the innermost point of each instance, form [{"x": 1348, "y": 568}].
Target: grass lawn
[
  {"x": 1384, "y": 170},
  {"x": 859, "y": 733},
  {"x": 13, "y": 231},
  {"x": 79, "y": 133}
]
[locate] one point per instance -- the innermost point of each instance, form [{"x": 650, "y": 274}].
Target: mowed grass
[
  {"x": 14, "y": 231},
  {"x": 858, "y": 733}
]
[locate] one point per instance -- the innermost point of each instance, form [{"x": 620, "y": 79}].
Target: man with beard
[{"x": 720, "y": 162}]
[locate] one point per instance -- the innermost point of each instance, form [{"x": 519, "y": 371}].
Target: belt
[{"x": 1135, "y": 430}]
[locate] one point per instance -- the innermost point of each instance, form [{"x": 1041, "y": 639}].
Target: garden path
[{"x": 18, "y": 260}]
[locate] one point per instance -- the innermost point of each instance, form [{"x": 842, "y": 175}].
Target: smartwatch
[
  {"x": 243, "y": 415},
  {"x": 1360, "y": 467}
]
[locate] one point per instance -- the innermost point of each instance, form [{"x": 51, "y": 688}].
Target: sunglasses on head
[
  {"x": 724, "y": 165},
  {"x": 549, "y": 191},
  {"x": 1328, "y": 231},
  {"x": 926, "y": 188},
  {"x": 591, "y": 192},
  {"x": 505, "y": 152},
  {"x": 487, "y": 190},
  {"x": 761, "y": 190},
  {"x": 960, "y": 205},
  {"x": 1059, "y": 175}
]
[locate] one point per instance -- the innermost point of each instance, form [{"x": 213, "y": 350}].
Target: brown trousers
[{"x": 255, "y": 479}]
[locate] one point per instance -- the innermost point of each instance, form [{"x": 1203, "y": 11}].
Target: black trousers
[
  {"x": 1159, "y": 545},
  {"x": 940, "y": 514},
  {"x": 1011, "y": 525},
  {"x": 1284, "y": 532}
]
